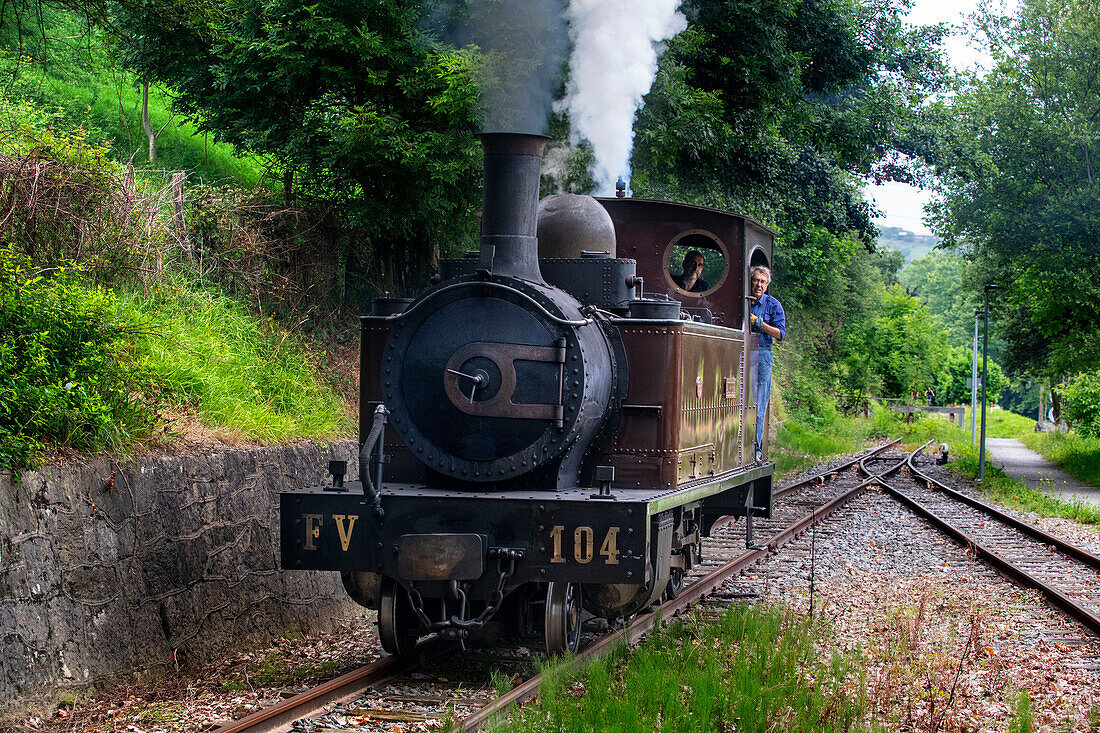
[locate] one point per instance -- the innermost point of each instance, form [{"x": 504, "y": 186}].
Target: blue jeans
[{"x": 763, "y": 391}]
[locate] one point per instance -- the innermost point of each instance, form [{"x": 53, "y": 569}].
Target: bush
[
  {"x": 1081, "y": 403},
  {"x": 65, "y": 201},
  {"x": 64, "y": 374}
]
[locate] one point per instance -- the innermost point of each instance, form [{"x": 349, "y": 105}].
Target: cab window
[{"x": 696, "y": 263}]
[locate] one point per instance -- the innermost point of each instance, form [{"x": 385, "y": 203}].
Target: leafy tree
[
  {"x": 937, "y": 279},
  {"x": 1081, "y": 399},
  {"x": 951, "y": 385},
  {"x": 904, "y": 345},
  {"x": 1019, "y": 182},
  {"x": 352, "y": 103},
  {"x": 1022, "y": 397},
  {"x": 778, "y": 108}
]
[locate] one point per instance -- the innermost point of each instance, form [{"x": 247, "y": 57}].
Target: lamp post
[
  {"x": 985, "y": 365},
  {"x": 974, "y": 382}
]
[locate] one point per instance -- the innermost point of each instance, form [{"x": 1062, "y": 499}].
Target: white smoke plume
[{"x": 615, "y": 48}]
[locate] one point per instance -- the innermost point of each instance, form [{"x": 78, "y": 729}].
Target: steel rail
[
  {"x": 892, "y": 469},
  {"x": 1001, "y": 564},
  {"x": 692, "y": 594},
  {"x": 816, "y": 478},
  {"x": 1031, "y": 530},
  {"x": 279, "y": 716}
]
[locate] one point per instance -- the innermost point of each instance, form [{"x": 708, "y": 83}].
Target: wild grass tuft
[
  {"x": 755, "y": 669},
  {"x": 1022, "y": 719}
]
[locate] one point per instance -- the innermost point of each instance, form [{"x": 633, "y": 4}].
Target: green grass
[
  {"x": 1023, "y": 721},
  {"x": 202, "y": 352},
  {"x": 800, "y": 446},
  {"x": 73, "y": 74},
  {"x": 158, "y": 713},
  {"x": 1004, "y": 424},
  {"x": 755, "y": 668},
  {"x": 1075, "y": 454}
]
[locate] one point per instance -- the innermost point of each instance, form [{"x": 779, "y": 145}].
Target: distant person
[
  {"x": 930, "y": 394},
  {"x": 769, "y": 322},
  {"x": 692, "y": 278}
]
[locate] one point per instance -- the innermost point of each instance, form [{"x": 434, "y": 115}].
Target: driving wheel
[
  {"x": 563, "y": 618},
  {"x": 675, "y": 584},
  {"x": 396, "y": 623}
]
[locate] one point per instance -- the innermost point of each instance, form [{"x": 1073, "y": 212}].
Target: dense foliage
[
  {"x": 778, "y": 109},
  {"x": 64, "y": 373},
  {"x": 1019, "y": 182},
  {"x": 352, "y": 103},
  {"x": 57, "y": 65},
  {"x": 937, "y": 279},
  {"x": 1081, "y": 401}
]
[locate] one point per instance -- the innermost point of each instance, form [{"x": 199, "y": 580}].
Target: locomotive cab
[{"x": 553, "y": 426}]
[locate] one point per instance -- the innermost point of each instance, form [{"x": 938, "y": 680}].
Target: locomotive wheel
[
  {"x": 396, "y": 623},
  {"x": 563, "y": 618},
  {"x": 675, "y": 584}
]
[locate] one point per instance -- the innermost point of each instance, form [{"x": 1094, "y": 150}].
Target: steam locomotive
[{"x": 549, "y": 429}]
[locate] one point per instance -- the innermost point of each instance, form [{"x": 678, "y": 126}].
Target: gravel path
[{"x": 1037, "y": 473}]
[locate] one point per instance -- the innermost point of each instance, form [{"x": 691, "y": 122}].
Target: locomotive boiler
[{"x": 550, "y": 429}]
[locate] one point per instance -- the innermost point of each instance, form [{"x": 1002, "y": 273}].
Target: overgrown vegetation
[
  {"x": 115, "y": 330},
  {"x": 755, "y": 667},
  {"x": 66, "y": 376},
  {"x": 56, "y": 63},
  {"x": 766, "y": 668},
  {"x": 1081, "y": 401},
  {"x": 202, "y": 352}
]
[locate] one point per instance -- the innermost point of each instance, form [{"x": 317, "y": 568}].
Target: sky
[{"x": 902, "y": 205}]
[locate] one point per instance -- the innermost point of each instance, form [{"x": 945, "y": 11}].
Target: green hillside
[
  {"x": 67, "y": 72},
  {"x": 116, "y": 332},
  {"x": 913, "y": 246}
]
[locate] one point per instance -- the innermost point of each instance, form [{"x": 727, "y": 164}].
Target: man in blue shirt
[{"x": 767, "y": 320}]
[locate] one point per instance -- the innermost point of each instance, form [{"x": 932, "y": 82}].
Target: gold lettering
[
  {"x": 610, "y": 547},
  {"x": 555, "y": 535},
  {"x": 583, "y": 545},
  {"x": 313, "y": 528},
  {"x": 345, "y": 535}
]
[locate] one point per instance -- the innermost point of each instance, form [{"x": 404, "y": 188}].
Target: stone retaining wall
[{"x": 108, "y": 568}]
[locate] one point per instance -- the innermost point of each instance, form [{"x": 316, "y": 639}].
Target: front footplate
[{"x": 436, "y": 536}]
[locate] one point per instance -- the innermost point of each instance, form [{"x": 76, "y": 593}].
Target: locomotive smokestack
[{"x": 509, "y": 218}]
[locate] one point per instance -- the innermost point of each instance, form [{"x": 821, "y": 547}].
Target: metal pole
[
  {"x": 974, "y": 383},
  {"x": 985, "y": 366}
]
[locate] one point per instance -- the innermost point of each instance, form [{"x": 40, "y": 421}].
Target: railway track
[
  {"x": 1066, "y": 575},
  {"x": 796, "y": 508}
]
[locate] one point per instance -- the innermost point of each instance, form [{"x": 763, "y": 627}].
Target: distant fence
[{"x": 955, "y": 414}]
